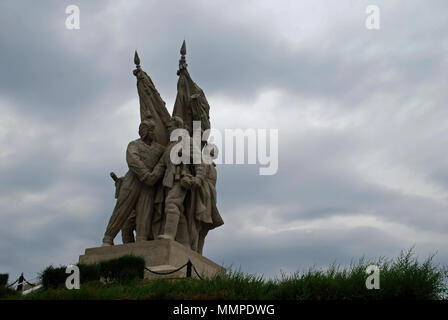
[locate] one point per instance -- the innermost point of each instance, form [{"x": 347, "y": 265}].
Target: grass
[{"x": 401, "y": 278}]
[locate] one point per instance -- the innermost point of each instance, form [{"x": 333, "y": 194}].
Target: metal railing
[
  {"x": 21, "y": 281},
  {"x": 190, "y": 267}
]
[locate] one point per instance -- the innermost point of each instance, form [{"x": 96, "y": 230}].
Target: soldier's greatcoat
[{"x": 134, "y": 192}]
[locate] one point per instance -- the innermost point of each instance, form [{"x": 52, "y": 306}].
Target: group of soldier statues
[{"x": 158, "y": 198}]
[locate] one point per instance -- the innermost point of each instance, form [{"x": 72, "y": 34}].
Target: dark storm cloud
[
  {"x": 314, "y": 186},
  {"x": 64, "y": 127},
  {"x": 267, "y": 254},
  {"x": 48, "y": 71}
]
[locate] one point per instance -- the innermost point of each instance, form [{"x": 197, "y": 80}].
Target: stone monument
[{"x": 170, "y": 206}]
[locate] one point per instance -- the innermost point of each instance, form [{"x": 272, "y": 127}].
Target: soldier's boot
[
  {"x": 171, "y": 222},
  {"x": 127, "y": 236},
  {"x": 108, "y": 241},
  {"x": 127, "y": 232}
]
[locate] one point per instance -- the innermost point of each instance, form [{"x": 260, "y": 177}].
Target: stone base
[{"x": 160, "y": 256}]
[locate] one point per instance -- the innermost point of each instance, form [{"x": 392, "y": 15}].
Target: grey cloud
[{"x": 394, "y": 79}]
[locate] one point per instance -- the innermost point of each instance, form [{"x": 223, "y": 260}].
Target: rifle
[{"x": 118, "y": 182}]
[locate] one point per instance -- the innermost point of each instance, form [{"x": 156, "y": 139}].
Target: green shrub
[
  {"x": 123, "y": 269},
  {"x": 89, "y": 272},
  {"x": 400, "y": 278},
  {"x": 53, "y": 277},
  {"x": 8, "y": 293},
  {"x": 4, "y": 279}
]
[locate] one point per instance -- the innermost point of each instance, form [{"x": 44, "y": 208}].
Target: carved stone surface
[
  {"x": 160, "y": 256},
  {"x": 159, "y": 198}
]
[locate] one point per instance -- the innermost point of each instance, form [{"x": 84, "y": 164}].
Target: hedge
[
  {"x": 4, "y": 279},
  {"x": 123, "y": 269}
]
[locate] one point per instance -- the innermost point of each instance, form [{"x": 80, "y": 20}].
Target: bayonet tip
[
  {"x": 183, "y": 49},
  {"x": 136, "y": 58}
]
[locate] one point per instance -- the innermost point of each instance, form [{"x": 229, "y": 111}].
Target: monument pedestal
[{"x": 160, "y": 255}]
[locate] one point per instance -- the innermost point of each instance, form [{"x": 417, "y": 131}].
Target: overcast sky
[{"x": 362, "y": 119}]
